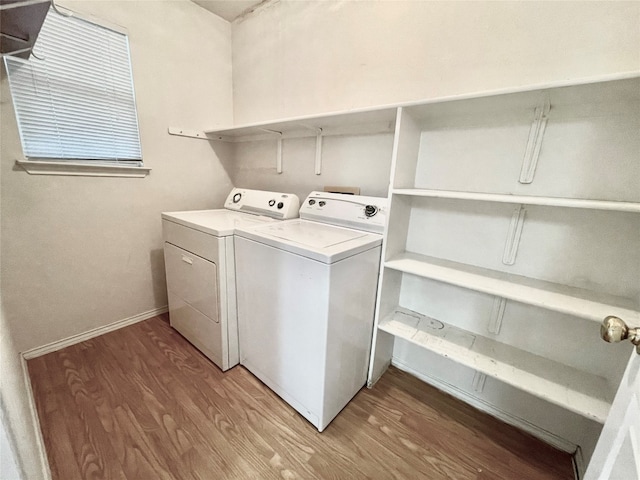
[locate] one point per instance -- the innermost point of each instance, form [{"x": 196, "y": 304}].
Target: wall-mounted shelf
[
  {"x": 578, "y": 391},
  {"x": 560, "y": 298},
  {"x": 357, "y": 122},
  {"x": 522, "y": 199}
]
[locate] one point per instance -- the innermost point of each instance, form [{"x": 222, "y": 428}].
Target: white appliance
[
  {"x": 306, "y": 297},
  {"x": 200, "y": 267}
]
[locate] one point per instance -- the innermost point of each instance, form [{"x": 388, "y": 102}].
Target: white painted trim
[
  {"x": 81, "y": 337},
  {"x": 579, "y": 467},
  {"x": 36, "y": 167},
  {"x": 545, "y": 436},
  {"x": 42, "y": 453}
]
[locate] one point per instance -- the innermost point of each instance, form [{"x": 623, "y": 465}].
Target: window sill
[{"x": 81, "y": 169}]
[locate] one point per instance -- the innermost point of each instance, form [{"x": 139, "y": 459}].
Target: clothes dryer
[
  {"x": 200, "y": 267},
  {"x": 306, "y": 300}
]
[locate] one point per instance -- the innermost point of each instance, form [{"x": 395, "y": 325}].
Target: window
[{"x": 74, "y": 98}]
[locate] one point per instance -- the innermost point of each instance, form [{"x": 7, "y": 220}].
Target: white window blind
[{"x": 74, "y": 98}]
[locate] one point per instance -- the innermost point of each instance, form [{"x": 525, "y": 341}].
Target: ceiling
[{"x": 228, "y": 9}]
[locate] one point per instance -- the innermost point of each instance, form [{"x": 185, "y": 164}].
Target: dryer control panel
[
  {"x": 260, "y": 202},
  {"x": 354, "y": 211}
]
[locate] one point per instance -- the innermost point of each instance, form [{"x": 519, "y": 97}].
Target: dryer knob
[
  {"x": 272, "y": 202},
  {"x": 237, "y": 197},
  {"x": 370, "y": 210},
  {"x": 280, "y": 205}
]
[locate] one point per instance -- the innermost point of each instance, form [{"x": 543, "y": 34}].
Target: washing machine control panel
[
  {"x": 260, "y": 202},
  {"x": 354, "y": 211}
]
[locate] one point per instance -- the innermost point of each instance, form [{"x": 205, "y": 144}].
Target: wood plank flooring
[{"x": 142, "y": 403}]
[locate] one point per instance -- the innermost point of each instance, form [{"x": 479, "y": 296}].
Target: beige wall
[
  {"x": 82, "y": 252},
  {"x": 304, "y": 57}
]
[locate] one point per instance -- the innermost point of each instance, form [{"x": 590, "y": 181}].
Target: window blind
[{"x": 74, "y": 98}]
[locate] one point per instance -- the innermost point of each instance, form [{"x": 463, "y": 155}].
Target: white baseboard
[
  {"x": 96, "y": 332},
  {"x": 42, "y": 453},
  {"x": 545, "y": 436}
]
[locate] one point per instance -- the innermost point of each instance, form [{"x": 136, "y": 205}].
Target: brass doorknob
[{"x": 614, "y": 329}]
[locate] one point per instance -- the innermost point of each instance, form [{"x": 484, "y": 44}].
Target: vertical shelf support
[
  {"x": 318, "y": 130},
  {"x": 318, "y": 169},
  {"x": 497, "y": 314},
  {"x": 478, "y": 382},
  {"x": 534, "y": 143},
  {"x": 278, "y": 149},
  {"x": 513, "y": 236}
]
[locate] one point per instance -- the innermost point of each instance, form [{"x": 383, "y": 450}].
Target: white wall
[
  {"x": 82, "y": 252},
  {"x": 292, "y": 58},
  {"x": 362, "y": 161}
]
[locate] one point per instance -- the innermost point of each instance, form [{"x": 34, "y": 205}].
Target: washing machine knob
[
  {"x": 322, "y": 203},
  {"x": 272, "y": 202},
  {"x": 280, "y": 205},
  {"x": 370, "y": 210},
  {"x": 237, "y": 197},
  {"x": 312, "y": 202}
]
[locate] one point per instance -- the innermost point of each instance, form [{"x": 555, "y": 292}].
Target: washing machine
[
  {"x": 200, "y": 267},
  {"x": 306, "y": 293}
]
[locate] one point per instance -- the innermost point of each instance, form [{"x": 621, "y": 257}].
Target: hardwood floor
[{"x": 142, "y": 403}]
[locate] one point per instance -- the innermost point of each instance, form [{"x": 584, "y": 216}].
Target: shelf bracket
[
  {"x": 15, "y": 39},
  {"x": 513, "y": 236},
  {"x": 318, "y": 130},
  {"x": 478, "y": 382},
  {"x": 497, "y": 314},
  {"x": 319, "y": 153},
  {"x": 278, "y": 149},
  {"x": 534, "y": 142},
  {"x": 183, "y": 132}
]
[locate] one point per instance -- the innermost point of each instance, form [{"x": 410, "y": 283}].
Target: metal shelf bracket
[
  {"x": 513, "y": 236},
  {"x": 183, "y": 132},
  {"x": 278, "y": 149},
  {"x": 534, "y": 142}
]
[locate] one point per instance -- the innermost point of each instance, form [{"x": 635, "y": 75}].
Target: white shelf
[
  {"x": 522, "y": 199},
  {"x": 551, "y": 296},
  {"x": 357, "y": 122},
  {"x": 575, "y": 390}
]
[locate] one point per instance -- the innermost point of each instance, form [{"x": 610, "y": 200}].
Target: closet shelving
[
  {"x": 522, "y": 199},
  {"x": 567, "y": 159},
  {"x": 513, "y": 229},
  {"x": 560, "y": 298},
  {"x": 580, "y": 391},
  {"x": 356, "y": 122}
]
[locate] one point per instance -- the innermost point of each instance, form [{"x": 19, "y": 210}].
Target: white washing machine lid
[
  {"x": 220, "y": 222},
  {"x": 318, "y": 241}
]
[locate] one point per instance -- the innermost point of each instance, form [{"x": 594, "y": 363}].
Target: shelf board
[
  {"x": 551, "y": 296},
  {"x": 357, "y": 122},
  {"x": 522, "y": 199},
  {"x": 580, "y": 392}
]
